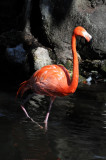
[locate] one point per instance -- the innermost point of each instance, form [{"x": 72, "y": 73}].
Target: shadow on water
[{"x": 76, "y": 131}]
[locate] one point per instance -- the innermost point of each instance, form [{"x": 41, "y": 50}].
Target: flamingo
[{"x": 54, "y": 80}]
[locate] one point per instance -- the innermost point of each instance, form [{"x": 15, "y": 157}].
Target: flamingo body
[{"x": 51, "y": 80}]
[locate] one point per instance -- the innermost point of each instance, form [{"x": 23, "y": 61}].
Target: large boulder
[
  {"x": 41, "y": 58},
  {"x": 60, "y": 17}
]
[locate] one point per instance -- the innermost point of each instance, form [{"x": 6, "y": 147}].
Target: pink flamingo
[{"x": 54, "y": 80}]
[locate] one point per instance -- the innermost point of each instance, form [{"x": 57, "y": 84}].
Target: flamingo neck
[{"x": 75, "y": 77}]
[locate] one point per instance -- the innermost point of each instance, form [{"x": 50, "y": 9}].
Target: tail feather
[{"x": 23, "y": 87}]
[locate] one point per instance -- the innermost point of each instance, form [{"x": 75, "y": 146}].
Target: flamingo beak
[{"x": 87, "y": 36}]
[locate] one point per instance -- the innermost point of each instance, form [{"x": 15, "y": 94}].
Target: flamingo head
[{"x": 80, "y": 31}]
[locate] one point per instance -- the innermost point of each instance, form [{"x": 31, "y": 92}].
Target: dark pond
[{"x": 76, "y": 130}]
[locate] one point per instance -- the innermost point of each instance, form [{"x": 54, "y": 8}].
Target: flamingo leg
[
  {"x": 48, "y": 113},
  {"x": 26, "y": 113}
]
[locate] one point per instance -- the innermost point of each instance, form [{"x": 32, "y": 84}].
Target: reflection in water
[{"x": 76, "y": 131}]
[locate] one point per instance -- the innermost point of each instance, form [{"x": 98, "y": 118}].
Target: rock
[
  {"x": 53, "y": 14},
  {"x": 41, "y": 57},
  {"x": 61, "y": 17},
  {"x": 16, "y": 54},
  {"x": 95, "y": 3},
  {"x": 103, "y": 66},
  {"x": 94, "y": 68}
]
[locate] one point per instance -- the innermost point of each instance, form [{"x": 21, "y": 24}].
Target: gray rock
[
  {"x": 60, "y": 17},
  {"x": 41, "y": 57}
]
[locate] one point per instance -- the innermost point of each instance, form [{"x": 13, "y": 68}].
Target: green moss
[
  {"x": 81, "y": 79},
  {"x": 69, "y": 65}
]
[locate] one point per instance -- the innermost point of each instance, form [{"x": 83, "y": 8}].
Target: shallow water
[{"x": 76, "y": 129}]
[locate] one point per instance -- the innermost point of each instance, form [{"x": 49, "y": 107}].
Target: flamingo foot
[{"x": 46, "y": 127}]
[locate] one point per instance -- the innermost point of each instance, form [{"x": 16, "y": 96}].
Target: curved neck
[{"x": 74, "y": 82}]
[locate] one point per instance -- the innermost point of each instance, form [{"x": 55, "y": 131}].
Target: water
[{"x": 76, "y": 130}]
